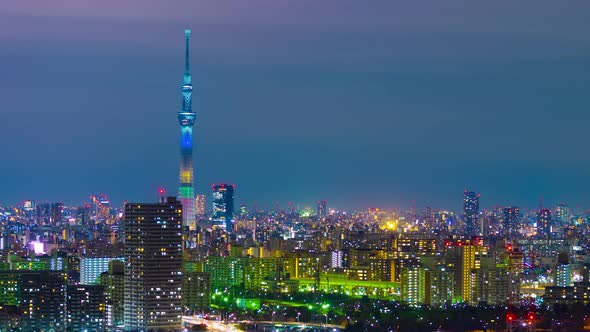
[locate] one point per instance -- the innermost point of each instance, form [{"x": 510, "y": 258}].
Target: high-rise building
[
  {"x": 200, "y": 205},
  {"x": 153, "y": 266},
  {"x": 186, "y": 118},
  {"x": 492, "y": 283},
  {"x": 439, "y": 286},
  {"x": 40, "y": 296},
  {"x": 30, "y": 208},
  {"x": 223, "y": 206},
  {"x": 413, "y": 285},
  {"x": 196, "y": 290},
  {"x": 336, "y": 259},
  {"x": 544, "y": 223},
  {"x": 381, "y": 269},
  {"x": 86, "y": 308},
  {"x": 322, "y": 209},
  {"x": 226, "y": 272},
  {"x": 511, "y": 215},
  {"x": 562, "y": 214},
  {"x": 92, "y": 267},
  {"x": 83, "y": 215},
  {"x": 57, "y": 210},
  {"x": 43, "y": 213},
  {"x": 113, "y": 282},
  {"x": 471, "y": 212},
  {"x": 563, "y": 275},
  {"x": 463, "y": 260},
  {"x": 101, "y": 208},
  {"x": 256, "y": 270}
]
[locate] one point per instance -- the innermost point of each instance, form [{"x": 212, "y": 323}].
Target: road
[
  {"x": 212, "y": 325},
  {"x": 216, "y": 325}
]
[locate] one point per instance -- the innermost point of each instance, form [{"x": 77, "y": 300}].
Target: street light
[
  {"x": 326, "y": 318},
  {"x": 298, "y": 314}
]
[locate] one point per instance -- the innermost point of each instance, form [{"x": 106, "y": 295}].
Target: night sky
[{"x": 361, "y": 103}]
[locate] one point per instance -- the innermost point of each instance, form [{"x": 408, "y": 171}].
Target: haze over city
[{"x": 362, "y": 105}]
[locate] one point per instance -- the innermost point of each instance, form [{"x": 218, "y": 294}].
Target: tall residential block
[
  {"x": 153, "y": 266},
  {"x": 92, "y": 267},
  {"x": 471, "y": 212},
  {"x": 544, "y": 226},
  {"x": 223, "y": 206},
  {"x": 85, "y": 308},
  {"x": 40, "y": 297},
  {"x": 113, "y": 282}
]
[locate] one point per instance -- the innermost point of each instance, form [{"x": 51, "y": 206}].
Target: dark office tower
[
  {"x": 471, "y": 212},
  {"x": 113, "y": 282},
  {"x": 86, "y": 308},
  {"x": 153, "y": 266},
  {"x": 510, "y": 218},
  {"x": 83, "y": 214},
  {"x": 57, "y": 210},
  {"x": 544, "y": 223},
  {"x": 322, "y": 209},
  {"x": 186, "y": 118},
  {"x": 428, "y": 215},
  {"x": 43, "y": 213},
  {"x": 223, "y": 206}
]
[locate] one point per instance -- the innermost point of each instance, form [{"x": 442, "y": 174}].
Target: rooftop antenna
[{"x": 161, "y": 193}]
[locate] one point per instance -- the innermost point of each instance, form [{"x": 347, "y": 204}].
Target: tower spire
[
  {"x": 186, "y": 119},
  {"x": 187, "y": 66}
]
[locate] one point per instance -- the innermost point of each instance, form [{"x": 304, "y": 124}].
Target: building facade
[
  {"x": 153, "y": 266},
  {"x": 223, "y": 206},
  {"x": 471, "y": 212},
  {"x": 85, "y": 308},
  {"x": 92, "y": 267}
]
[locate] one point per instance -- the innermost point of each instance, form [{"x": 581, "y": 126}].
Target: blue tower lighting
[{"x": 186, "y": 118}]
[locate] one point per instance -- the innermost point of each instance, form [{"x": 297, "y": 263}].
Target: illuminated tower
[
  {"x": 223, "y": 206},
  {"x": 471, "y": 212},
  {"x": 186, "y": 118}
]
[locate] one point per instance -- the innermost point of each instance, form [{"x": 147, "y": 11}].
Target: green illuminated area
[
  {"x": 353, "y": 288},
  {"x": 30, "y": 266},
  {"x": 352, "y": 313},
  {"x": 186, "y": 192}
]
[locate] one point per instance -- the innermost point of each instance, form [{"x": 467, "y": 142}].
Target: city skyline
[
  {"x": 381, "y": 115},
  {"x": 343, "y": 166}
]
